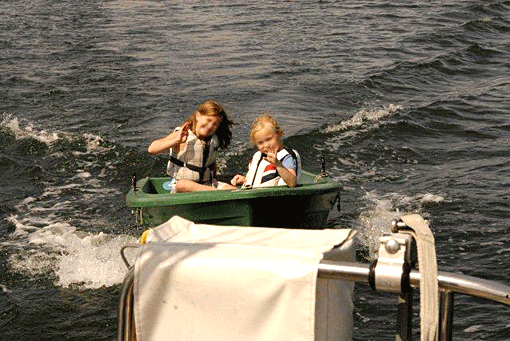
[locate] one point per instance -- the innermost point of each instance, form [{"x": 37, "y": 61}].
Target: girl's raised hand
[
  {"x": 183, "y": 133},
  {"x": 271, "y": 157}
]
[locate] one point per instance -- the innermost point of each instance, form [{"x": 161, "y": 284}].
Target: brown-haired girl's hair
[
  {"x": 259, "y": 123},
  {"x": 213, "y": 108}
]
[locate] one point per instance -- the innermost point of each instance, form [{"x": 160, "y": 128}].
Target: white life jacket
[
  {"x": 195, "y": 161},
  {"x": 262, "y": 173}
]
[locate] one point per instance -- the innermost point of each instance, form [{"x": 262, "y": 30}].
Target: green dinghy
[{"x": 304, "y": 206}]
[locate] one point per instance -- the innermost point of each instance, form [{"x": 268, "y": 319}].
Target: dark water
[{"x": 409, "y": 103}]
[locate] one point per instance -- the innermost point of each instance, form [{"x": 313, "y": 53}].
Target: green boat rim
[{"x": 141, "y": 198}]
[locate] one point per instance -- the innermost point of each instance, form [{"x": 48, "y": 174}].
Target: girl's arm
[
  {"x": 288, "y": 175},
  {"x": 173, "y": 140}
]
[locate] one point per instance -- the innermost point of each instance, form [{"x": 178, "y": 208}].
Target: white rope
[{"x": 427, "y": 263}]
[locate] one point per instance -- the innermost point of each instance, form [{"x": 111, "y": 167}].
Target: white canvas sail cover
[{"x": 224, "y": 283}]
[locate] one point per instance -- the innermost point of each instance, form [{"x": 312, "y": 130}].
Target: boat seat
[{"x": 156, "y": 186}]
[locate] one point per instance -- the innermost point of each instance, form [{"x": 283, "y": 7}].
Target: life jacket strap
[
  {"x": 294, "y": 156},
  {"x": 200, "y": 170}
]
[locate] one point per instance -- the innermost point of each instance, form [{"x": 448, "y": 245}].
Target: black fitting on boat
[
  {"x": 371, "y": 274},
  {"x": 323, "y": 173},
  {"x": 133, "y": 181},
  {"x": 405, "y": 281},
  {"x": 323, "y": 165}
]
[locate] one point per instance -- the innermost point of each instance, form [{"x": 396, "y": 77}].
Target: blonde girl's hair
[
  {"x": 259, "y": 123},
  {"x": 213, "y": 108}
]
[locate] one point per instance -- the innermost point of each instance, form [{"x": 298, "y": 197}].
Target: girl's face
[
  {"x": 206, "y": 125},
  {"x": 267, "y": 140}
]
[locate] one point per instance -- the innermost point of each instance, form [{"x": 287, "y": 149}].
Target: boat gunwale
[{"x": 139, "y": 198}]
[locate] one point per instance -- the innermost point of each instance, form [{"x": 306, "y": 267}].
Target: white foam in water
[
  {"x": 44, "y": 243},
  {"x": 362, "y": 117},
  {"x": 381, "y": 210},
  {"x": 432, "y": 198},
  {"x": 28, "y": 131},
  {"x": 362, "y": 121},
  {"x": 474, "y": 328},
  {"x": 93, "y": 261},
  {"x": 77, "y": 258},
  {"x": 375, "y": 220},
  {"x": 94, "y": 143}
]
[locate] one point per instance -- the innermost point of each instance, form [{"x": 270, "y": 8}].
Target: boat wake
[
  {"x": 380, "y": 210},
  {"x": 72, "y": 226},
  {"x": 363, "y": 117},
  {"x": 67, "y": 229}
]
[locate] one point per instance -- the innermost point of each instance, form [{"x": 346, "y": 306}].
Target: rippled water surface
[{"x": 408, "y": 103}]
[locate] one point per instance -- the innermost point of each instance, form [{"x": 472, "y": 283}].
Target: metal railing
[{"x": 358, "y": 272}]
